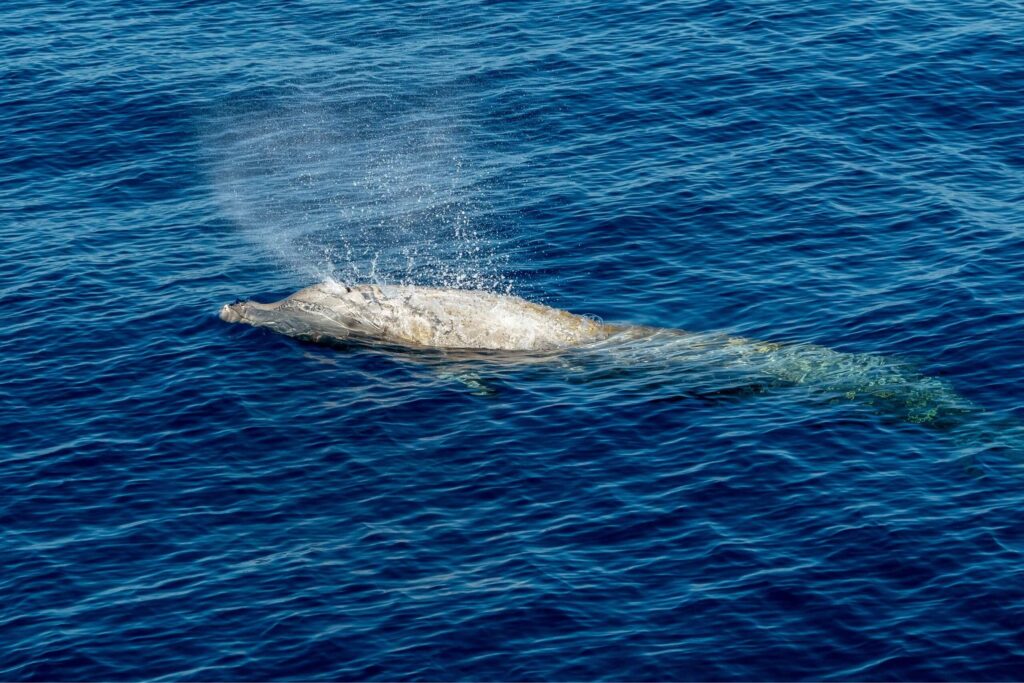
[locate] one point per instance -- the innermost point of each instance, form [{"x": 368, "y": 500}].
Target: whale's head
[
  {"x": 321, "y": 311},
  {"x": 233, "y": 312}
]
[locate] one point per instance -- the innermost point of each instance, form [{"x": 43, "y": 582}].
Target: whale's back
[
  {"x": 452, "y": 318},
  {"x": 421, "y": 317}
]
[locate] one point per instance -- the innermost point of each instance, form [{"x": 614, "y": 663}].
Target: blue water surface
[{"x": 185, "y": 499}]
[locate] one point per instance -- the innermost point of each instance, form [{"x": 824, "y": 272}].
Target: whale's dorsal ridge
[{"x": 408, "y": 315}]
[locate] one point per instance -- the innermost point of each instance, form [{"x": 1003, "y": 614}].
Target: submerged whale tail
[
  {"x": 893, "y": 386},
  {"x": 870, "y": 379}
]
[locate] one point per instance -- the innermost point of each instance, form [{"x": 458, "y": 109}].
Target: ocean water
[{"x": 185, "y": 499}]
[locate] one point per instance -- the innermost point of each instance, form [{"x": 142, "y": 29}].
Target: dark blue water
[{"x": 186, "y": 499}]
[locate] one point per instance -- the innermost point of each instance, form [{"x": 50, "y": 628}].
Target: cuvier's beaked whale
[{"x": 417, "y": 317}]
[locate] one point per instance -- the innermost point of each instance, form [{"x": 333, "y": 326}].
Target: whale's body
[
  {"x": 414, "y": 317},
  {"x": 421, "y": 317}
]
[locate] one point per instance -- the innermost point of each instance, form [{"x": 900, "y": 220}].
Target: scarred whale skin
[{"x": 416, "y": 316}]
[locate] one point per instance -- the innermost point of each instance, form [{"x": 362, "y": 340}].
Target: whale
[{"x": 460, "y": 323}]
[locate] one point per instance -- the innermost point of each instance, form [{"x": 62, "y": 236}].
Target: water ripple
[{"x": 182, "y": 499}]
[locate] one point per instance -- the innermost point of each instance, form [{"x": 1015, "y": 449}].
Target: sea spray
[{"x": 383, "y": 190}]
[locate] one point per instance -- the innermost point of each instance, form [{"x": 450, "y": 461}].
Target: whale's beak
[{"x": 232, "y": 313}]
